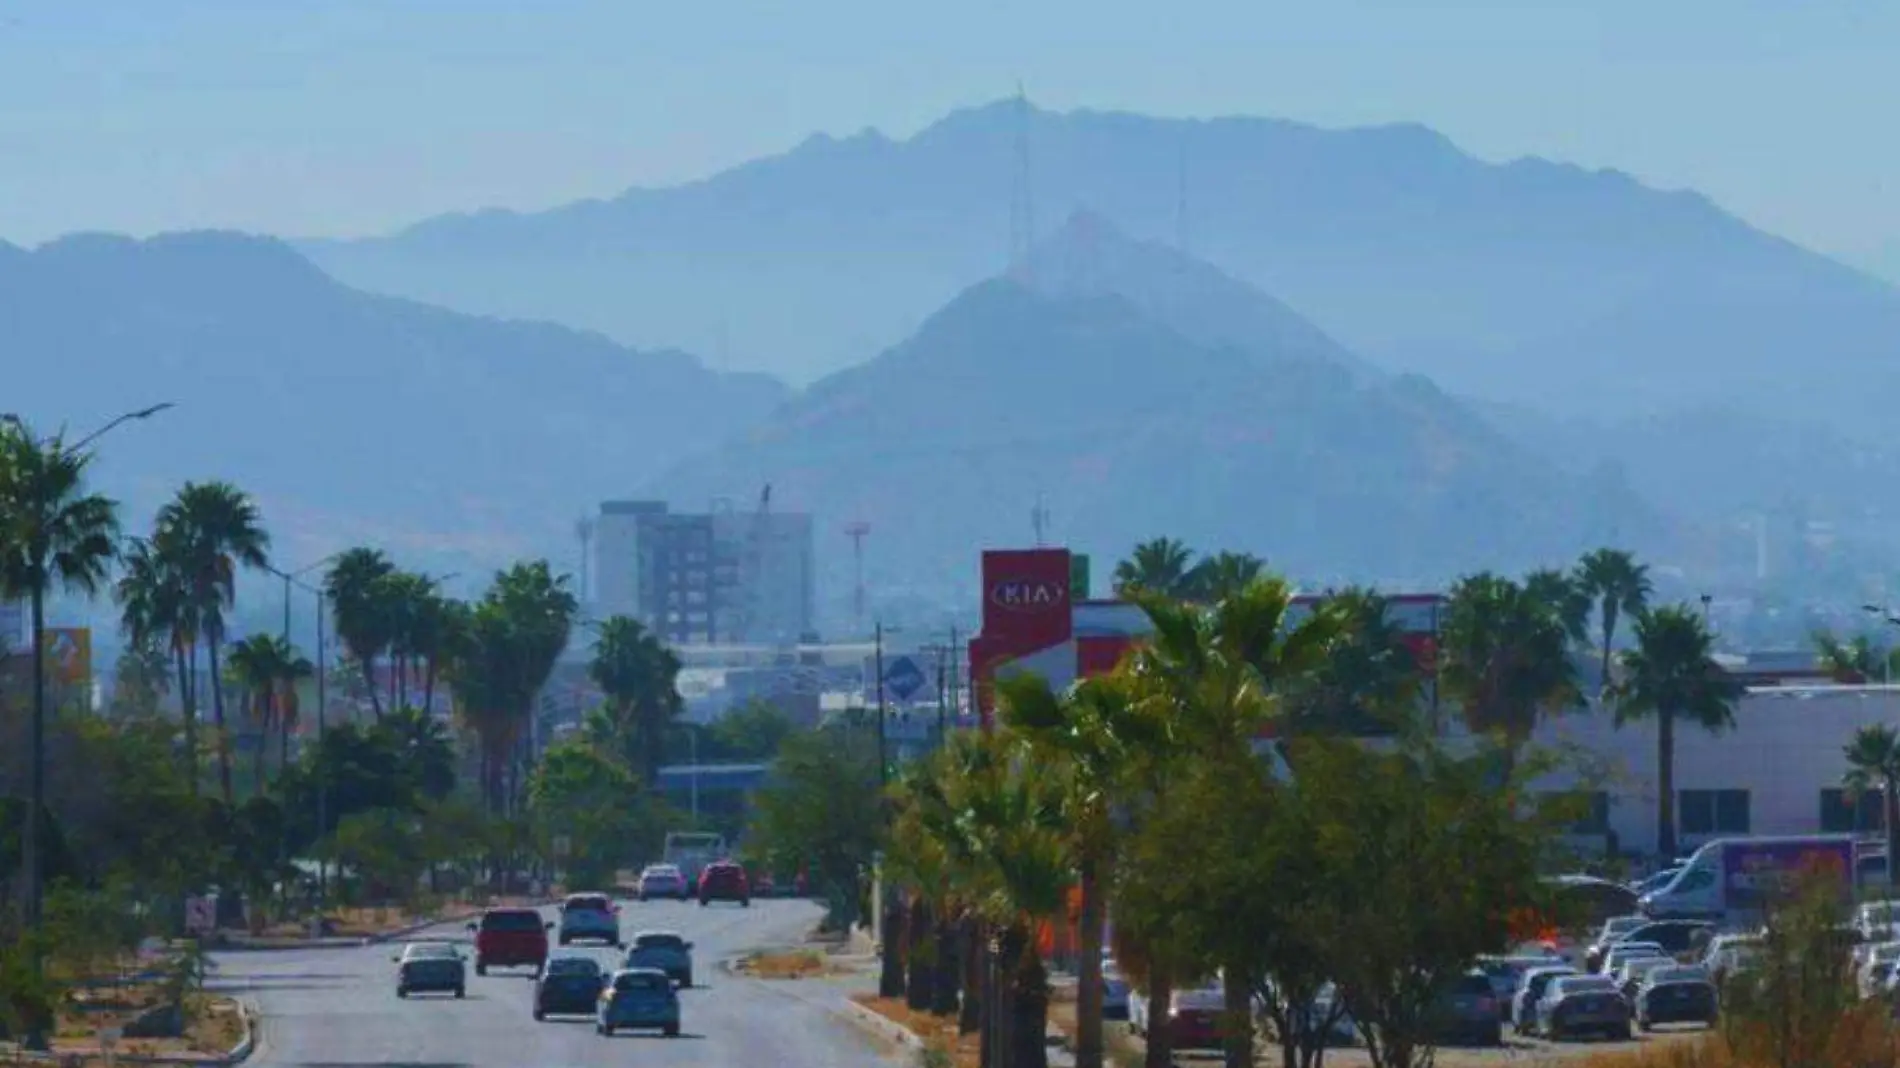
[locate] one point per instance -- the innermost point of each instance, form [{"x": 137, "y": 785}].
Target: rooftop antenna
[
  {"x": 857, "y": 530},
  {"x": 1039, "y": 519},
  {"x": 1022, "y": 209}
]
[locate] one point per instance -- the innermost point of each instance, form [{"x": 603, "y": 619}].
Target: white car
[
  {"x": 1630, "y": 977},
  {"x": 1868, "y": 952},
  {"x": 589, "y": 918},
  {"x": 1876, "y": 920},
  {"x": 1623, "y": 952},
  {"x": 663, "y": 880}
]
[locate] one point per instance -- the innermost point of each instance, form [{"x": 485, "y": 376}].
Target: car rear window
[
  {"x": 573, "y": 966},
  {"x": 514, "y": 920},
  {"x": 590, "y": 903},
  {"x": 659, "y": 941},
  {"x": 1472, "y": 984},
  {"x": 641, "y": 981}
]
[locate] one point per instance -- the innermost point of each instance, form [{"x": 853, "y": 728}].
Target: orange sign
[{"x": 68, "y": 654}]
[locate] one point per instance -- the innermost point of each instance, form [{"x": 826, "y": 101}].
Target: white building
[
  {"x": 1777, "y": 772},
  {"x": 730, "y": 578}
]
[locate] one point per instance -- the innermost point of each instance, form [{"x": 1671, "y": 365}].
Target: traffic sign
[{"x": 903, "y": 678}]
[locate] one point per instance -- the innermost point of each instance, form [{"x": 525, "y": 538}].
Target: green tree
[
  {"x": 507, "y": 650},
  {"x": 1618, "y": 586},
  {"x": 140, "y": 680},
  {"x": 1505, "y": 659},
  {"x": 1856, "y": 659},
  {"x": 593, "y": 805},
  {"x": 819, "y": 813},
  {"x": 1873, "y": 763},
  {"x": 1566, "y": 596},
  {"x": 53, "y": 535},
  {"x": 639, "y": 677},
  {"x": 155, "y": 604},
  {"x": 355, "y": 585},
  {"x": 1223, "y": 574},
  {"x": 217, "y": 531},
  {"x": 1672, "y": 676},
  {"x": 269, "y": 668},
  {"x": 385, "y": 849},
  {"x": 1162, "y": 566},
  {"x": 1369, "y": 680},
  {"x": 753, "y": 731}
]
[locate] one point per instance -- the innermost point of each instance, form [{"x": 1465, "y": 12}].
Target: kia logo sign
[{"x": 1020, "y": 596}]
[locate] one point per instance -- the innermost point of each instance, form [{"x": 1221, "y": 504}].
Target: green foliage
[
  {"x": 1787, "y": 1008},
  {"x": 1161, "y": 567},
  {"x": 753, "y": 731},
  {"x": 1618, "y": 586},
  {"x": 1369, "y": 681},
  {"x": 505, "y": 651},
  {"x": 595, "y": 807},
  {"x": 1504, "y": 658},
  {"x": 821, "y": 814},
  {"x": 639, "y": 676},
  {"x": 1857, "y": 659},
  {"x": 1873, "y": 764},
  {"x": 384, "y": 848}
]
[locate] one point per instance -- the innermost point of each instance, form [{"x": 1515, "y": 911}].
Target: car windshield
[
  {"x": 627, "y": 981},
  {"x": 430, "y": 951},
  {"x": 1583, "y": 984},
  {"x": 1535, "y": 982},
  {"x": 658, "y": 941},
  {"x": 589, "y": 903},
  {"x": 573, "y": 966},
  {"x": 511, "y": 921}
]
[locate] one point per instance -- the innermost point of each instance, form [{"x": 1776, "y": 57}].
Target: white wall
[
  {"x": 616, "y": 571},
  {"x": 1787, "y": 746}
]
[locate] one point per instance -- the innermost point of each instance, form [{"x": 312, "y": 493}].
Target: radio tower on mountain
[{"x": 1022, "y": 205}]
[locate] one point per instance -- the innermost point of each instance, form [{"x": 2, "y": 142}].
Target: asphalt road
[{"x": 337, "y": 1008}]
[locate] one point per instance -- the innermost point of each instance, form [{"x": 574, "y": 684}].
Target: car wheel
[
  {"x": 402, "y": 992},
  {"x": 461, "y": 991},
  {"x": 745, "y": 902},
  {"x": 1643, "y": 1023},
  {"x": 1629, "y": 1033},
  {"x": 702, "y": 902},
  {"x": 672, "y": 1030},
  {"x": 565, "y": 940},
  {"x": 481, "y": 968},
  {"x": 607, "y": 1029},
  {"x": 539, "y": 1015}
]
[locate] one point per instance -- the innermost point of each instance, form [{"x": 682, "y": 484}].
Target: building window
[
  {"x": 1712, "y": 811},
  {"x": 1847, "y": 812}
]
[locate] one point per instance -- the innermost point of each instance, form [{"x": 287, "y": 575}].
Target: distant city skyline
[{"x": 352, "y": 117}]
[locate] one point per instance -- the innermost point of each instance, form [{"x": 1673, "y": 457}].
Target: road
[{"x": 337, "y": 1008}]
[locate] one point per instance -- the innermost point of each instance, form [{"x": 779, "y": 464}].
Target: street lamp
[{"x": 33, "y": 862}]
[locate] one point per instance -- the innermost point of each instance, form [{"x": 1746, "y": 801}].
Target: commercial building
[
  {"x": 719, "y": 577},
  {"x": 1778, "y": 770}
]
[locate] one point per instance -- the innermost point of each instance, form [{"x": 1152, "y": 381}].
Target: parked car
[
  {"x": 423, "y": 967},
  {"x": 1531, "y": 991},
  {"x": 1674, "y": 936},
  {"x": 589, "y": 918},
  {"x": 1655, "y": 882},
  {"x": 724, "y": 880},
  {"x": 1868, "y": 952},
  {"x": 1623, "y": 952},
  {"x": 510, "y": 938},
  {"x": 1877, "y": 921},
  {"x": 569, "y": 984},
  {"x": 662, "y": 880},
  {"x": 1114, "y": 992},
  {"x": 1193, "y": 1021},
  {"x": 1630, "y": 977},
  {"x": 1676, "y": 995},
  {"x": 1507, "y": 974},
  {"x": 662, "y": 951},
  {"x": 1468, "y": 1013},
  {"x": 1583, "y": 1004},
  {"x": 639, "y": 998}
]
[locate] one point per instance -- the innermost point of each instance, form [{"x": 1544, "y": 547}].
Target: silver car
[{"x": 663, "y": 880}]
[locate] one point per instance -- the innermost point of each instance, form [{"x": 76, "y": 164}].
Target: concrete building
[{"x": 723, "y": 577}]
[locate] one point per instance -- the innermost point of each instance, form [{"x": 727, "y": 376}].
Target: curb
[
  {"x": 247, "y": 1045},
  {"x": 379, "y": 938},
  {"x": 874, "y": 1022}
]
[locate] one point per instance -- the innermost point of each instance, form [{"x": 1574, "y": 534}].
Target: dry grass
[
  {"x": 937, "y": 1032},
  {"x": 213, "y": 1025},
  {"x": 786, "y": 964}
]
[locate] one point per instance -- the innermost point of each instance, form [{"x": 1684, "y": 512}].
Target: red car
[
  {"x": 510, "y": 938},
  {"x": 724, "y": 880}
]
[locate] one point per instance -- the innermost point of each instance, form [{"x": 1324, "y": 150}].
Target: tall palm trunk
[
  {"x": 1088, "y": 988},
  {"x": 261, "y": 711},
  {"x": 1888, "y": 786},
  {"x": 949, "y": 962},
  {"x": 920, "y": 963},
  {"x": 1026, "y": 1042},
  {"x": 188, "y": 715},
  {"x": 1237, "y": 1017},
  {"x": 283, "y": 736},
  {"x": 1609, "y": 635},
  {"x": 1666, "y": 783},
  {"x": 890, "y": 978},
  {"x": 428, "y": 687},
  {"x": 975, "y": 957},
  {"x": 212, "y": 640},
  {"x": 1160, "y": 1038},
  {"x": 369, "y": 683}
]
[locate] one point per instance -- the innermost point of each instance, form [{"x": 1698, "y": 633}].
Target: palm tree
[
  {"x": 217, "y": 531},
  {"x": 1873, "y": 763},
  {"x": 512, "y": 640},
  {"x": 354, "y": 585},
  {"x": 253, "y": 664},
  {"x": 292, "y": 669},
  {"x": 1370, "y": 679},
  {"x": 1565, "y": 594},
  {"x": 1672, "y": 675},
  {"x": 1162, "y": 566},
  {"x": 1618, "y": 586},
  {"x": 154, "y": 603},
  {"x": 1223, "y": 574},
  {"x": 53, "y": 536},
  {"x": 1505, "y": 658},
  {"x": 1856, "y": 659},
  {"x": 639, "y": 677}
]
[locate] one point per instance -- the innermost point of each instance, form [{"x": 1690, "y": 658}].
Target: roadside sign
[{"x": 903, "y": 678}]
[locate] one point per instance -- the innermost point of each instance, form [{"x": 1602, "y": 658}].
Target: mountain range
[
  {"x": 1132, "y": 392},
  {"x": 1581, "y": 292},
  {"x": 353, "y": 417}
]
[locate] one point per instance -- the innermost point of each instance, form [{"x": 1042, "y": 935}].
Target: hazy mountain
[
  {"x": 1527, "y": 281},
  {"x": 351, "y": 416},
  {"x": 1125, "y": 428}
]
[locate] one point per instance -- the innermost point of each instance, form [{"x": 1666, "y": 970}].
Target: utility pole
[
  {"x": 857, "y": 531},
  {"x": 890, "y": 980}
]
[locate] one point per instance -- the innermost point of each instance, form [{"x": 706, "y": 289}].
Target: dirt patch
[
  {"x": 785, "y": 964},
  {"x": 938, "y": 1034},
  {"x": 213, "y": 1025}
]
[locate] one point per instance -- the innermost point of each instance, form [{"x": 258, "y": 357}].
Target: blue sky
[{"x": 355, "y": 116}]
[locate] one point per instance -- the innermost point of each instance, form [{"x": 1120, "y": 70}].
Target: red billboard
[{"x": 1026, "y": 602}]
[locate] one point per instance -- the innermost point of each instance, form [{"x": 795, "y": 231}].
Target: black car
[
  {"x": 1676, "y": 995},
  {"x": 568, "y": 986},
  {"x": 1468, "y": 1013},
  {"x": 424, "y": 967}
]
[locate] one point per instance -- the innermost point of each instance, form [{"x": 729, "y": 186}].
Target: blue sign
[{"x": 903, "y": 678}]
